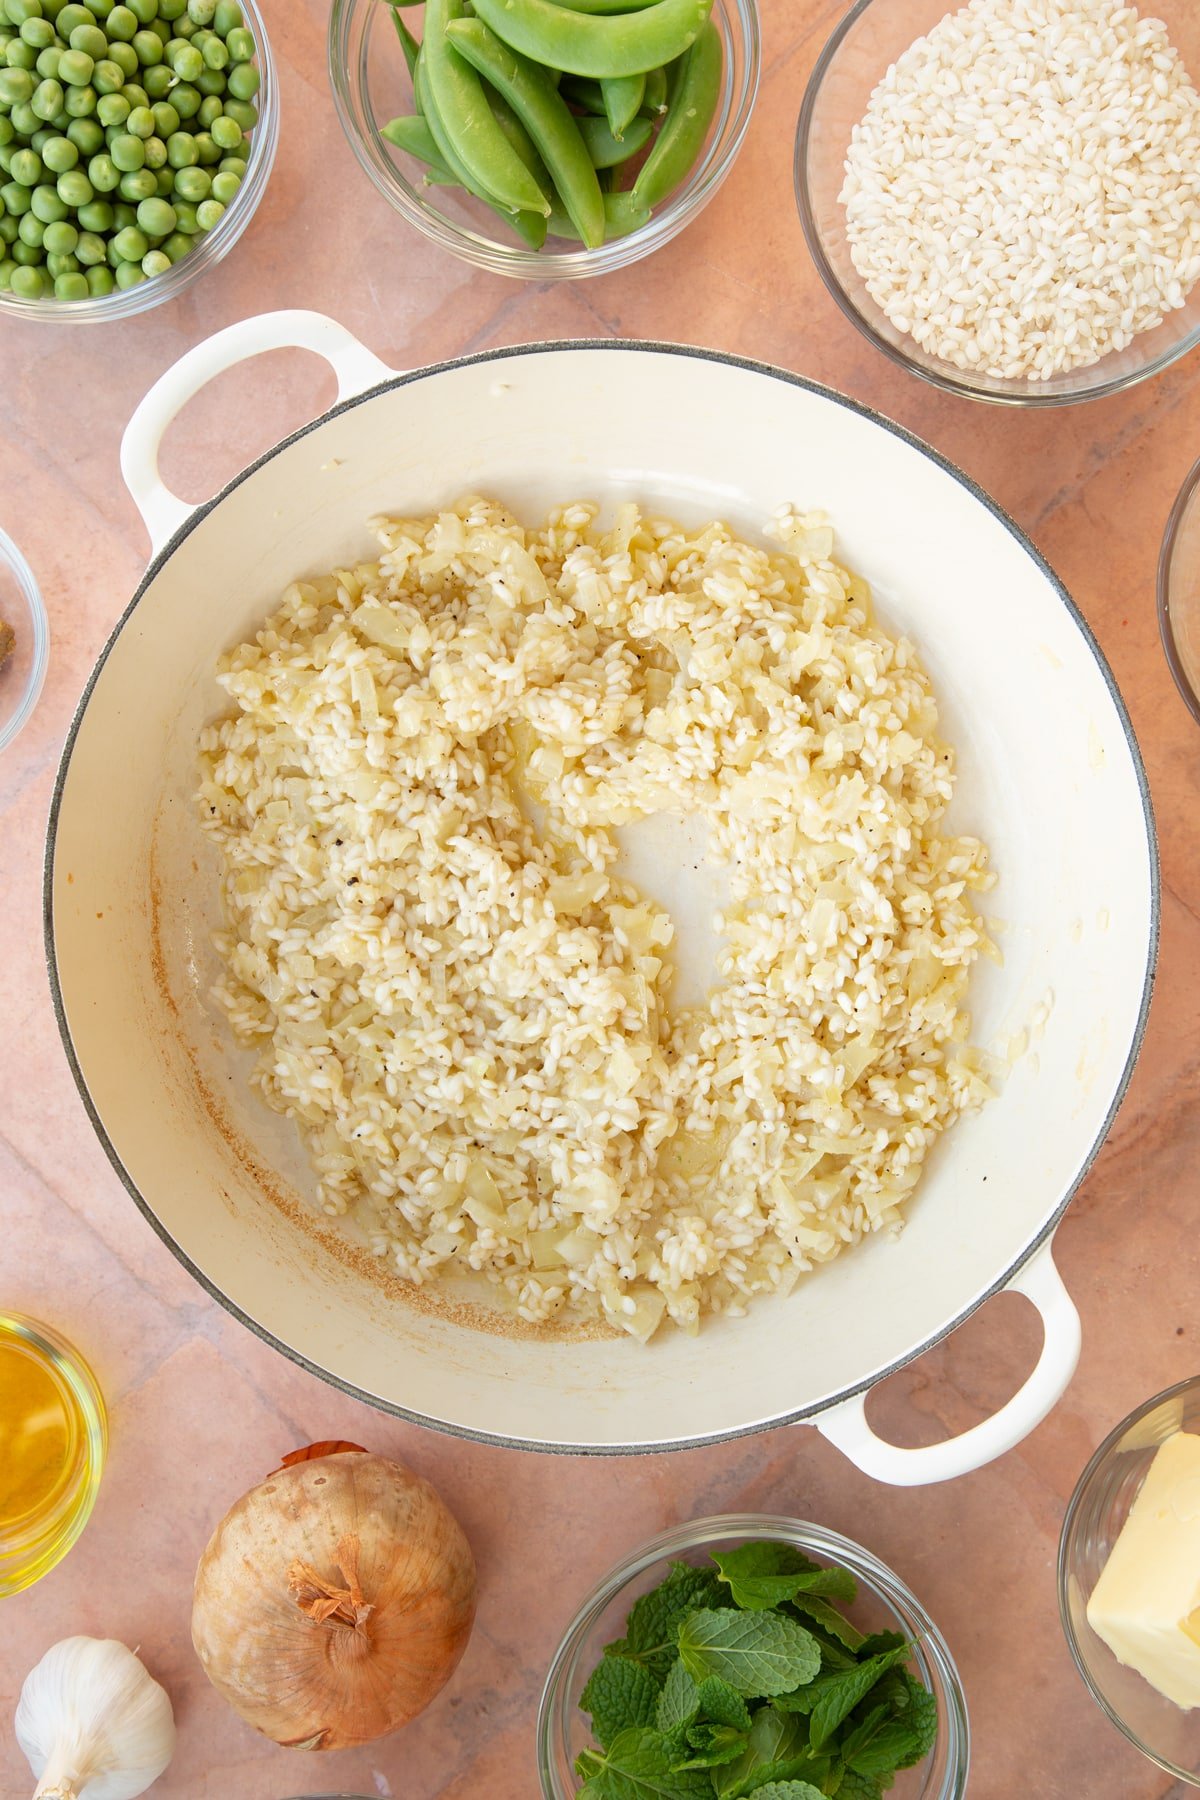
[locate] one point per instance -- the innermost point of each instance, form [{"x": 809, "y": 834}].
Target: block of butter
[{"x": 1146, "y": 1604}]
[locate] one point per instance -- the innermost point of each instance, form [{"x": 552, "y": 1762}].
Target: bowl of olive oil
[{"x": 53, "y": 1438}]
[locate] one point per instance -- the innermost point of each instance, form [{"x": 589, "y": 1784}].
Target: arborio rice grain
[
  {"x": 1023, "y": 193},
  {"x": 469, "y": 1015}
]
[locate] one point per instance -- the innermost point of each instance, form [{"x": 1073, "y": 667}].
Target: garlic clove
[{"x": 93, "y": 1723}]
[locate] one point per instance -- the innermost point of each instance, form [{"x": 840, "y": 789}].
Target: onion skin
[{"x": 330, "y": 1683}]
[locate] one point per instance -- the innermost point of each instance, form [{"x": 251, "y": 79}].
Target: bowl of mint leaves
[{"x": 746, "y": 1656}]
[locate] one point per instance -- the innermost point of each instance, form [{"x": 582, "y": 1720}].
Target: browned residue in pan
[{"x": 428, "y": 1299}]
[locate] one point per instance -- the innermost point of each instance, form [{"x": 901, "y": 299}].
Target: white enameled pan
[{"x": 1050, "y": 776}]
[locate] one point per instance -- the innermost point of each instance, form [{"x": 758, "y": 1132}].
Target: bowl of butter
[{"x": 1129, "y": 1578}]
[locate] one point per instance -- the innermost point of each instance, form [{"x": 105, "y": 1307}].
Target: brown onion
[{"x": 334, "y": 1601}]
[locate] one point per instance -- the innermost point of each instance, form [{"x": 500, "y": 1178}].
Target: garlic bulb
[{"x": 93, "y": 1723}]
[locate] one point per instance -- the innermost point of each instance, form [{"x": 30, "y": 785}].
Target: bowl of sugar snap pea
[
  {"x": 136, "y": 141},
  {"x": 540, "y": 139}
]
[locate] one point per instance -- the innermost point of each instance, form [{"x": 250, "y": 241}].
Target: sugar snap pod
[{"x": 586, "y": 44}]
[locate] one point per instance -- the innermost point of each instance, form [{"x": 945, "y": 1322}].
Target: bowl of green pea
[
  {"x": 546, "y": 140},
  {"x": 136, "y": 140}
]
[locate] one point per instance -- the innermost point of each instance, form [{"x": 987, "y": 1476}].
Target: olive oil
[{"x": 52, "y": 1444}]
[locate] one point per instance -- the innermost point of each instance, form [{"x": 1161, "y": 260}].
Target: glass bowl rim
[
  {"x": 482, "y": 251},
  {"x": 1189, "y": 1385},
  {"x": 1031, "y": 394},
  {"x": 124, "y": 303},
  {"x": 23, "y": 575},
  {"x": 1166, "y": 580},
  {"x": 694, "y": 1533}
]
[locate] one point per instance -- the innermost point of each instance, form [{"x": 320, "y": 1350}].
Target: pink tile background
[{"x": 200, "y": 1409}]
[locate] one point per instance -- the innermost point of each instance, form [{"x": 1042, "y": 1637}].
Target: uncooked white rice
[
  {"x": 469, "y": 1017},
  {"x": 1023, "y": 193}
]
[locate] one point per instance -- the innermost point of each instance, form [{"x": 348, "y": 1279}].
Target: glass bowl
[
  {"x": 212, "y": 247},
  {"x": 35, "y": 1539},
  {"x": 863, "y": 46},
  {"x": 22, "y": 675},
  {"x": 1099, "y": 1507},
  {"x": 883, "y": 1604},
  {"x": 1179, "y": 593},
  {"x": 371, "y": 85}
]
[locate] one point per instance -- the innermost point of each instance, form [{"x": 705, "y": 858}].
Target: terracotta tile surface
[{"x": 200, "y": 1408}]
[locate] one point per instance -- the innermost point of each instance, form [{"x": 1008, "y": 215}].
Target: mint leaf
[
  {"x": 723, "y": 1704},
  {"x": 829, "y": 1619},
  {"x": 764, "y": 1558},
  {"x": 759, "y": 1581},
  {"x": 835, "y": 1696},
  {"x": 854, "y": 1786},
  {"x": 789, "y": 1790},
  {"x": 772, "y": 1739},
  {"x": 896, "y": 1735},
  {"x": 879, "y": 1641},
  {"x": 636, "y": 1766},
  {"x": 710, "y": 1745},
  {"x": 756, "y": 1653},
  {"x": 652, "y": 1624},
  {"x": 619, "y": 1693},
  {"x": 679, "y": 1702}
]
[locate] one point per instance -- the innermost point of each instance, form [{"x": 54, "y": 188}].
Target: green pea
[
  {"x": 177, "y": 245},
  {"x": 166, "y": 119},
  {"x": 159, "y": 80},
  {"x": 103, "y": 174},
  {"x": 135, "y": 94},
  {"x": 244, "y": 112},
  {"x": 138, "y": 185},
  {"x": 47, "y": 205},
  {"x": 47, "y": 99},
  {"x": 8, "y": 269},
  {"x": 89, "y": 249},
  {"x": 81, "y": 102},
  {"x": 71, "y": 287},
  {"x": 185, "y": 217},
  {"x": 6, "y": 130},
  {"x": 25, "y": 121},
  {"x": 29, "y": 283},
  {"x": 184, "y": 28},
  {"x": 60, "y": 154},
  {"x": 145, "y": 10},
  {"x": 61, "y": 265},
  {"x": 47, "y": 63},
  {"x": 149, "y": 48},
  {"x": 30, "y": 229},
  {"x": 75, "y": 68},
  {"x": 108, "y": 77},
  {"x": 20, "y": 55},
  {"x": 27, "y": 168},
  {"x": 244, "y": 81},
  {"x": 112, "y": 109},
  {"x": 233, "y": 165},
  {"x": 225, "y": 186},
  {"x": 216, "y": 56},
  {"x": 90, "y": 40},
  {"x": 74, "y": 188},
  {"x": 39, "y": 34},
  {"x": 208, "y": 214},
  {"x": 201, "y": 12},
  {"x": 17, "y": 199},
  {"x": 210, "y": 109},
  {"x": 28, "y": 255},
  {"x": 68, "y": 17},
  {"x": 100, "y": 282},
  {"x": 227, "y": 17},
  {"x": 16, "y": 85},
  {"x": 186, "y": 100},
  {"x": 155, "y": 262},
  {"x": 127, "y": 152},
  {"x": 129, "y": 274},
  {"x": 156, "y": 218},
  {"x": 164, "y": 182},
  {"x": 162, "y": 31},
  {"x": 227, "y": 133},
  {"x": 211, "y": 81},
  {"x": 86, "y": 135},
  {"x": 140, "y": 122},
  {"x": 240, "y": 45},
  {"x": 172, "y": 10},
  {"x": 125, "y": 57},
  {"x": 187, "y": 61},
  {"x": 99, "y": 9},
  {"x": 130, "y": 244},
  {"x": 96, "y": 216},
  {"x": 206, "y": 150},
  {"x": 156, "y": 153},
  {"x": 121, "y": 25},
  {"x": 7, "y": 152},
  {"x": 193, "y": 184},
  {"x": 60, "y": 237},
  {"x": 9, "y": 229},
  {"x": 17, "y": 11},
  {"x": 123, "y": 215},
  {"x": 181, "y": 150}
]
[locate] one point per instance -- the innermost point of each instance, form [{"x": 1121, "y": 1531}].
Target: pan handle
[
  {"x": 846, "y": 1424},
  {"x": 354, "y": 365}
]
